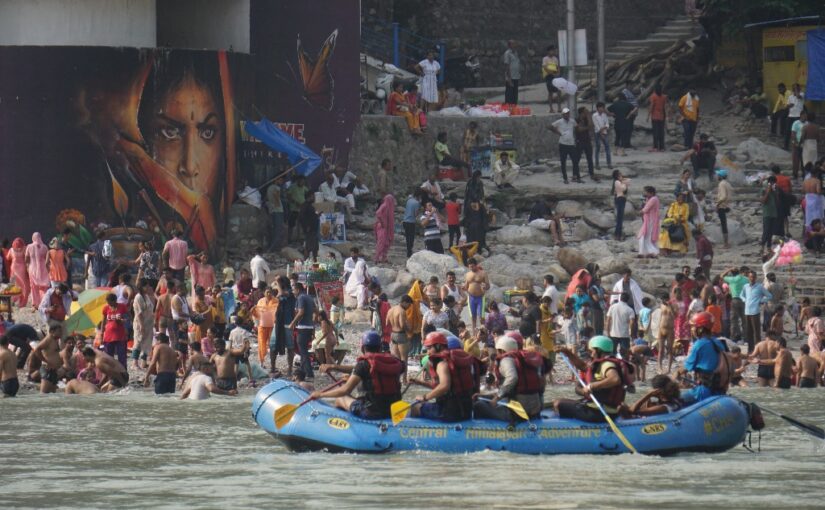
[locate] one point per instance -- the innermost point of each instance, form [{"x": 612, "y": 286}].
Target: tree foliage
[{"x": 733, "y": 15}]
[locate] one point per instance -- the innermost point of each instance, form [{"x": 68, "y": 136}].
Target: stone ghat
[{"x": 380, "y": 136}]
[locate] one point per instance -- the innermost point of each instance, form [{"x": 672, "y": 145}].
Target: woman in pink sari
[
  {"x": 384, "y": 227},
  {"x": 649, "y": 233},
  {"x": 18, "y": 270},
  {"x": 36, "y": 254}
]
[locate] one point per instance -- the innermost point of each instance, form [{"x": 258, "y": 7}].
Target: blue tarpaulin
[
  {"x": 816, "y": 65},
  {"x": 304, "y": 160}
]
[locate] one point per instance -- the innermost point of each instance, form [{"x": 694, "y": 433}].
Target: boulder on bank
[
  {"x": 424, "y": 264},
  {"x": 599, "y": 219},
  {"x": 385, "y": 275},
  {"x": 571, "y": 259},
  {"x": 521, "y": 235},
  {"x": 558, "y": 272},
  {"x": 570, "y": 208},
  {"x": 759, "y": 152},
  {"x": 613, "y": 264},
  {"x": 737, "y": 234}
]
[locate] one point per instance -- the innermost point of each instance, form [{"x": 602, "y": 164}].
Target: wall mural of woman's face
[{"x": 187, "y": 136}]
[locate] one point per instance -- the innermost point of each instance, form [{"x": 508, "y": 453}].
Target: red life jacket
[
  {"x": 465, "y": 371},
  {"x": 385, "y": 369},
  {"x": 530, "y": 367},
  {"x": 611, "y": 397}
]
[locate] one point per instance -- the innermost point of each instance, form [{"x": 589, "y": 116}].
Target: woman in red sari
[
  {"x": 384, "y": 227},
  {"x": 19, "y": 271}
]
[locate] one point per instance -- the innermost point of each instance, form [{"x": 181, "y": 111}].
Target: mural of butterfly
[{"x": 317, "y": 82}]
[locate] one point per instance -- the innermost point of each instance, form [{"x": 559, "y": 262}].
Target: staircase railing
[{"x": 390, "y": 42}]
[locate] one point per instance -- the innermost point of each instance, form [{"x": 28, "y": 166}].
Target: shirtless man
[
  {"x": 400, "y": 336},
  {"x": 48, "y": 352},
  {"x": 201, "y": 384},
  {"x": 226, "y": 364},
  {"x": 764, "y": 354},
  {"x": 69, "y": 360},
  {"x": 665, "y": 335},
  {"x": 8, "y": 370},
  {"x": 83, "y": 385},
  {"x": 164, "y": 364},
  {"x": 476, "y": 283},
  {"x": 193, "y": 364},
  {"x": 738, "y": 364},
  {"x": 807, "y": 368},
  {"x": 115, "y": 375},
  {"x": 783, "y": 365},
  {"x": 163, "y": 312}
]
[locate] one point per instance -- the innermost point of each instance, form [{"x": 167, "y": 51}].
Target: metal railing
[{"x": 387, "y": 41}]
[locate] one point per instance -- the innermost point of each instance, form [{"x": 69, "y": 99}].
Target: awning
[{"x": 304, "y": 160}]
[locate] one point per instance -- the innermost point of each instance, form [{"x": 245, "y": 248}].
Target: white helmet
[{"x": 506, "y": 343}]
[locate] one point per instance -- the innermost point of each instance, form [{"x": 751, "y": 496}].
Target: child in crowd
[
  {"x": 662, "y": 399},
  {"x": 808, "y": 368},
  {"x": 453, "y": 208},
  {"x": 716, "y": 311},
  {"x": 208, "y": 342},
  {"x": 696, "y": 304},
  {"x": 547, "y": 333},
  {"x": 737, "y": 367},
  {"x": 640, "y": 353},
  {"x": 569, "y": 323},
  {"x": 804, "y": 314},
  {"x": 644, "y": 321},
  {"x": 794, "y": 311},
  {"x": 299, "y": 377},
  {"x": 778, "y": 320},
  {"x": 583, "y": 316},
  {"x": 474, "y": 343},
  {"x": 452, "y": 316}
]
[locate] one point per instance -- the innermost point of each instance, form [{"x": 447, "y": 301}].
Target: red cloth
[
  {"x": 59, "y": 312},
  {"x": 783, "y": 182},
  {"x": 453, "y": 213},
  {"x": 581, "y": 277},
  {"x": 115, "y": 328},
  {"x": 384, "y": 227},
  {"x": 657, "y": 106}
]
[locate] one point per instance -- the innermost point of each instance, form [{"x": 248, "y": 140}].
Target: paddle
[
  {"x": 284, "y": 413},
  {"x": 400, "y": 410},
  {"x": 805, "y": 427},
  {"x": 613, "y": 426},
  {"x": 513, "y": 405}
]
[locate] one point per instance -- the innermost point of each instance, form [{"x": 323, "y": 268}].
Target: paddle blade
[
  {"x": 399, "y": 411},
  {"x": 618, "y": 433},
  {"x": 516, "y": 407},
  {"x": 805, "y": 427},
  {"x": 284, "y": 414}
]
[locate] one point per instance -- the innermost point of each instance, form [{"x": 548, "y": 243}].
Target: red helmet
[
  {"x": 515, "y": 335},
  {"x": 435, "y": 338},
  {"x": 702, "y": 320}
]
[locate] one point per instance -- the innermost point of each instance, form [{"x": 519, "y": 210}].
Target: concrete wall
[
  {"x": 483, "y": 27},
  {"x": 203, "y": 24},
  {"x": 377, "y": 137},
  {"x": 128, "y": 23}
]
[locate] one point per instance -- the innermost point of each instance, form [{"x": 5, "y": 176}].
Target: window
[{"x": 779, "y": 54}]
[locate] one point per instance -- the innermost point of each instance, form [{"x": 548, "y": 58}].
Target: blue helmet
[
  {"x": 453, "y": 343},
  {"x": 371, "y": 338},
  {"x": 722, "y": 172}
]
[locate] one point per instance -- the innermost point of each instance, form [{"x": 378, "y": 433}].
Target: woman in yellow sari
[
  {"x": 397, "y": 105},
  {"x": 414, "y": 318},
  {"x": 677, "y": 214}
]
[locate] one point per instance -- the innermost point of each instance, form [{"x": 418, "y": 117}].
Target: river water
[{"x": 136, "y": 450}]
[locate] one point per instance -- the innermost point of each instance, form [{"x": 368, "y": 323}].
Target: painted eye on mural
[
  {"x": 208, "y": 133},
  {"x": 170, "y": 133}
]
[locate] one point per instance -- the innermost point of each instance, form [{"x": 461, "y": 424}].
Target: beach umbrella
[{"x": 87, "y": 311}]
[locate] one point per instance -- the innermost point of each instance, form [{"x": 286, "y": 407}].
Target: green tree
[{"x": 733, "y": 15}]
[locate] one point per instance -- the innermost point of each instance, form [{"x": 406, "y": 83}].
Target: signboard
[
  {"x": 580, "y": 36},
  {"x": 325, "y": 291},
  {"x": 333, "y": 228},
  {"x": 480, "y": 160}
]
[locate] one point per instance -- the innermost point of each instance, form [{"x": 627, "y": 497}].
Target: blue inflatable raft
[{"x": 713, "y": 425}]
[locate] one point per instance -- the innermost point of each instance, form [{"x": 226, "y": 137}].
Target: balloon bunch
[{"x": 790, "y": 253}]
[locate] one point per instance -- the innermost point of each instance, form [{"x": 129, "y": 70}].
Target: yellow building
[{"x": 784, "y": 58}]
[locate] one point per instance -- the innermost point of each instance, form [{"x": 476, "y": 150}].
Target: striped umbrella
[{"x": 87, "y": 311}]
